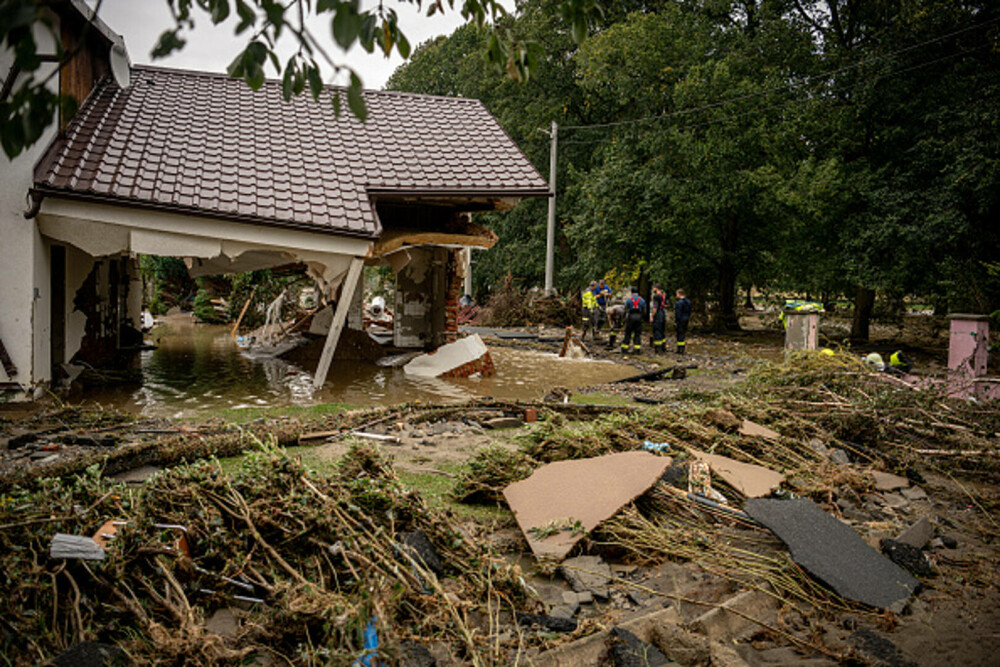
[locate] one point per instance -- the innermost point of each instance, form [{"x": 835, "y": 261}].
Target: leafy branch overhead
[{"x": 29, "y": 108}]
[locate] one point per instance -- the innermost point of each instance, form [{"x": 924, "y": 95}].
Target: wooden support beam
[{"x": 339, "y": 318}]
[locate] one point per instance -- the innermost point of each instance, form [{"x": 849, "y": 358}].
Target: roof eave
[
  {"x": 457, "y": 193},
  {"x": 40, "y": 191}
]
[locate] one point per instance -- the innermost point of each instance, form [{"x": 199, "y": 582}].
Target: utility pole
[{"x": 550, "y": 239}]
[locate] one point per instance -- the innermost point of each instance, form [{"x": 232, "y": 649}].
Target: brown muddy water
[{"x": 197, "y": 368}]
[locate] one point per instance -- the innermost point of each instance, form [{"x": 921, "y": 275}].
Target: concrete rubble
[{"x": 466, "y": 356}]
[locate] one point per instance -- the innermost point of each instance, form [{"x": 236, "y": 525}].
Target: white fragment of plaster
[{"x": 447, "y": 357}]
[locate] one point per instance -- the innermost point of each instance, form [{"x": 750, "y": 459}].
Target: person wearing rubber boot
[
  {"x": 635, "y": 313},
  {"x": 658, "y": 320},
  {"x": 682, "y": 314},
  {"x": 589, "y": 302}
]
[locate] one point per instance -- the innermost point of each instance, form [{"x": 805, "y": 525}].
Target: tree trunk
[
  {"x": 727, "y": 319},
  {"x": 864, "y": 302},
  {"x": 748, "y": 304}
]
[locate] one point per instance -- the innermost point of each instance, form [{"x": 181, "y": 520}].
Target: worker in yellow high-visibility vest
[{"x": 589, "y": 300}]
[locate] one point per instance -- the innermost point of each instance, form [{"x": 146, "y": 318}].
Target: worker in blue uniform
[
  {"x": 682, "y": 315},
  {"x": 658, "y": 320},
  {"x": 635, "y": 313}
]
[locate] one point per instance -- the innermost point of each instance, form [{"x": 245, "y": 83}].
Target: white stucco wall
[
  {"x": 24, "y": 270},
  {"x": 78, "y": 266}
]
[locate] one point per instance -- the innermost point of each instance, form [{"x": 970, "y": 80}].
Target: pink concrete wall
[{"x": 968, "y": 345}]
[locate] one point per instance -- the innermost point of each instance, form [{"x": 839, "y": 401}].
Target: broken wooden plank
[
  {"x": 339, "y": 318},
  {"x": 236, "y": 327}
]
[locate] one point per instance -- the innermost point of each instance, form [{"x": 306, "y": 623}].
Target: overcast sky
[{"x": 212, "y": 48}]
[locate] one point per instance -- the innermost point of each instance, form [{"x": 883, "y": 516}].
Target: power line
[
  {"x": 788, "y": 86},
  {"x": 786, "y": 103}
]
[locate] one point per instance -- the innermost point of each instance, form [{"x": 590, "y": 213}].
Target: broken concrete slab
[
  {"x": 895, "y": 501},
  {"x": 729, "y": 621},
  {"x": 592, "y": 649},
  {"x": 885, "y": 481},
  {"x": 75, "y": 546},
  {"x": 913, "y": 494},
  {"x": 588, "y": 574},
  {"x": 627, "y": 650},
  {"x": 918, "y": 534},
  {"x": 565, "y": 610},
  {"x": 562, "y": 501},
  {"x": 879, "y": 651},
  {"x": 755, "y": 430},
  {"x": 834, "y": 553},
  {"x": 462, "y": 358},
  {"x": 573, "y": 597},
  {"x": 753, "y": 481}
]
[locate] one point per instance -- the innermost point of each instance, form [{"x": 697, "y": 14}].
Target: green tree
[{"x": 27, "y": 109}]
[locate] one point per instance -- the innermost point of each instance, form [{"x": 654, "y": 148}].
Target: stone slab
[
  {"x": 587, "y": 574},
  {"x": 834, "y": 553},
  {"x": 729, "y": 620},
  {"x": 918, "y": 534},
  {"x": 886, "y": 481}
]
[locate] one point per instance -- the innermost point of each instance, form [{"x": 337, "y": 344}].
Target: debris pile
[
  {"x": 305, "y": 566},
  {"x": 798, "y": 516}
]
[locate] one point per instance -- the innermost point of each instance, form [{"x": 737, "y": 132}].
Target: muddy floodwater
[{"x": 198, "y": 368}]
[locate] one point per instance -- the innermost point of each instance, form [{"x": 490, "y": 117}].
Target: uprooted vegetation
[{"x": 321, "y": 555}]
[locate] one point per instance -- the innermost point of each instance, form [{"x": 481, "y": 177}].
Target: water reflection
[{"x": 198, "y": 367}]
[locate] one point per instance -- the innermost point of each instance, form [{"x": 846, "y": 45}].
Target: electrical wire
[
  {"x": 789, "y": 86},
  {"x": 785, "y": 104}
]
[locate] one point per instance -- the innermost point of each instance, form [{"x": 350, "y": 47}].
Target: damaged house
[{"x": 198, "y": 166}]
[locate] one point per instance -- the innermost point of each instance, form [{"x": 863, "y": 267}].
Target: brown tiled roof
[{"x": 206, "y": 144}]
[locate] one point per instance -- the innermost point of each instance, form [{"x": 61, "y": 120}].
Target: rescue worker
[
  {"x": 658, "y": 319},
  {"x": 589, "y": 305},
  {"x": 899, "y": 363},
  {"x": 603, "y": 301},
  {"x": 682, "y": 314},
  {"x": 635, "y": 313}
]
